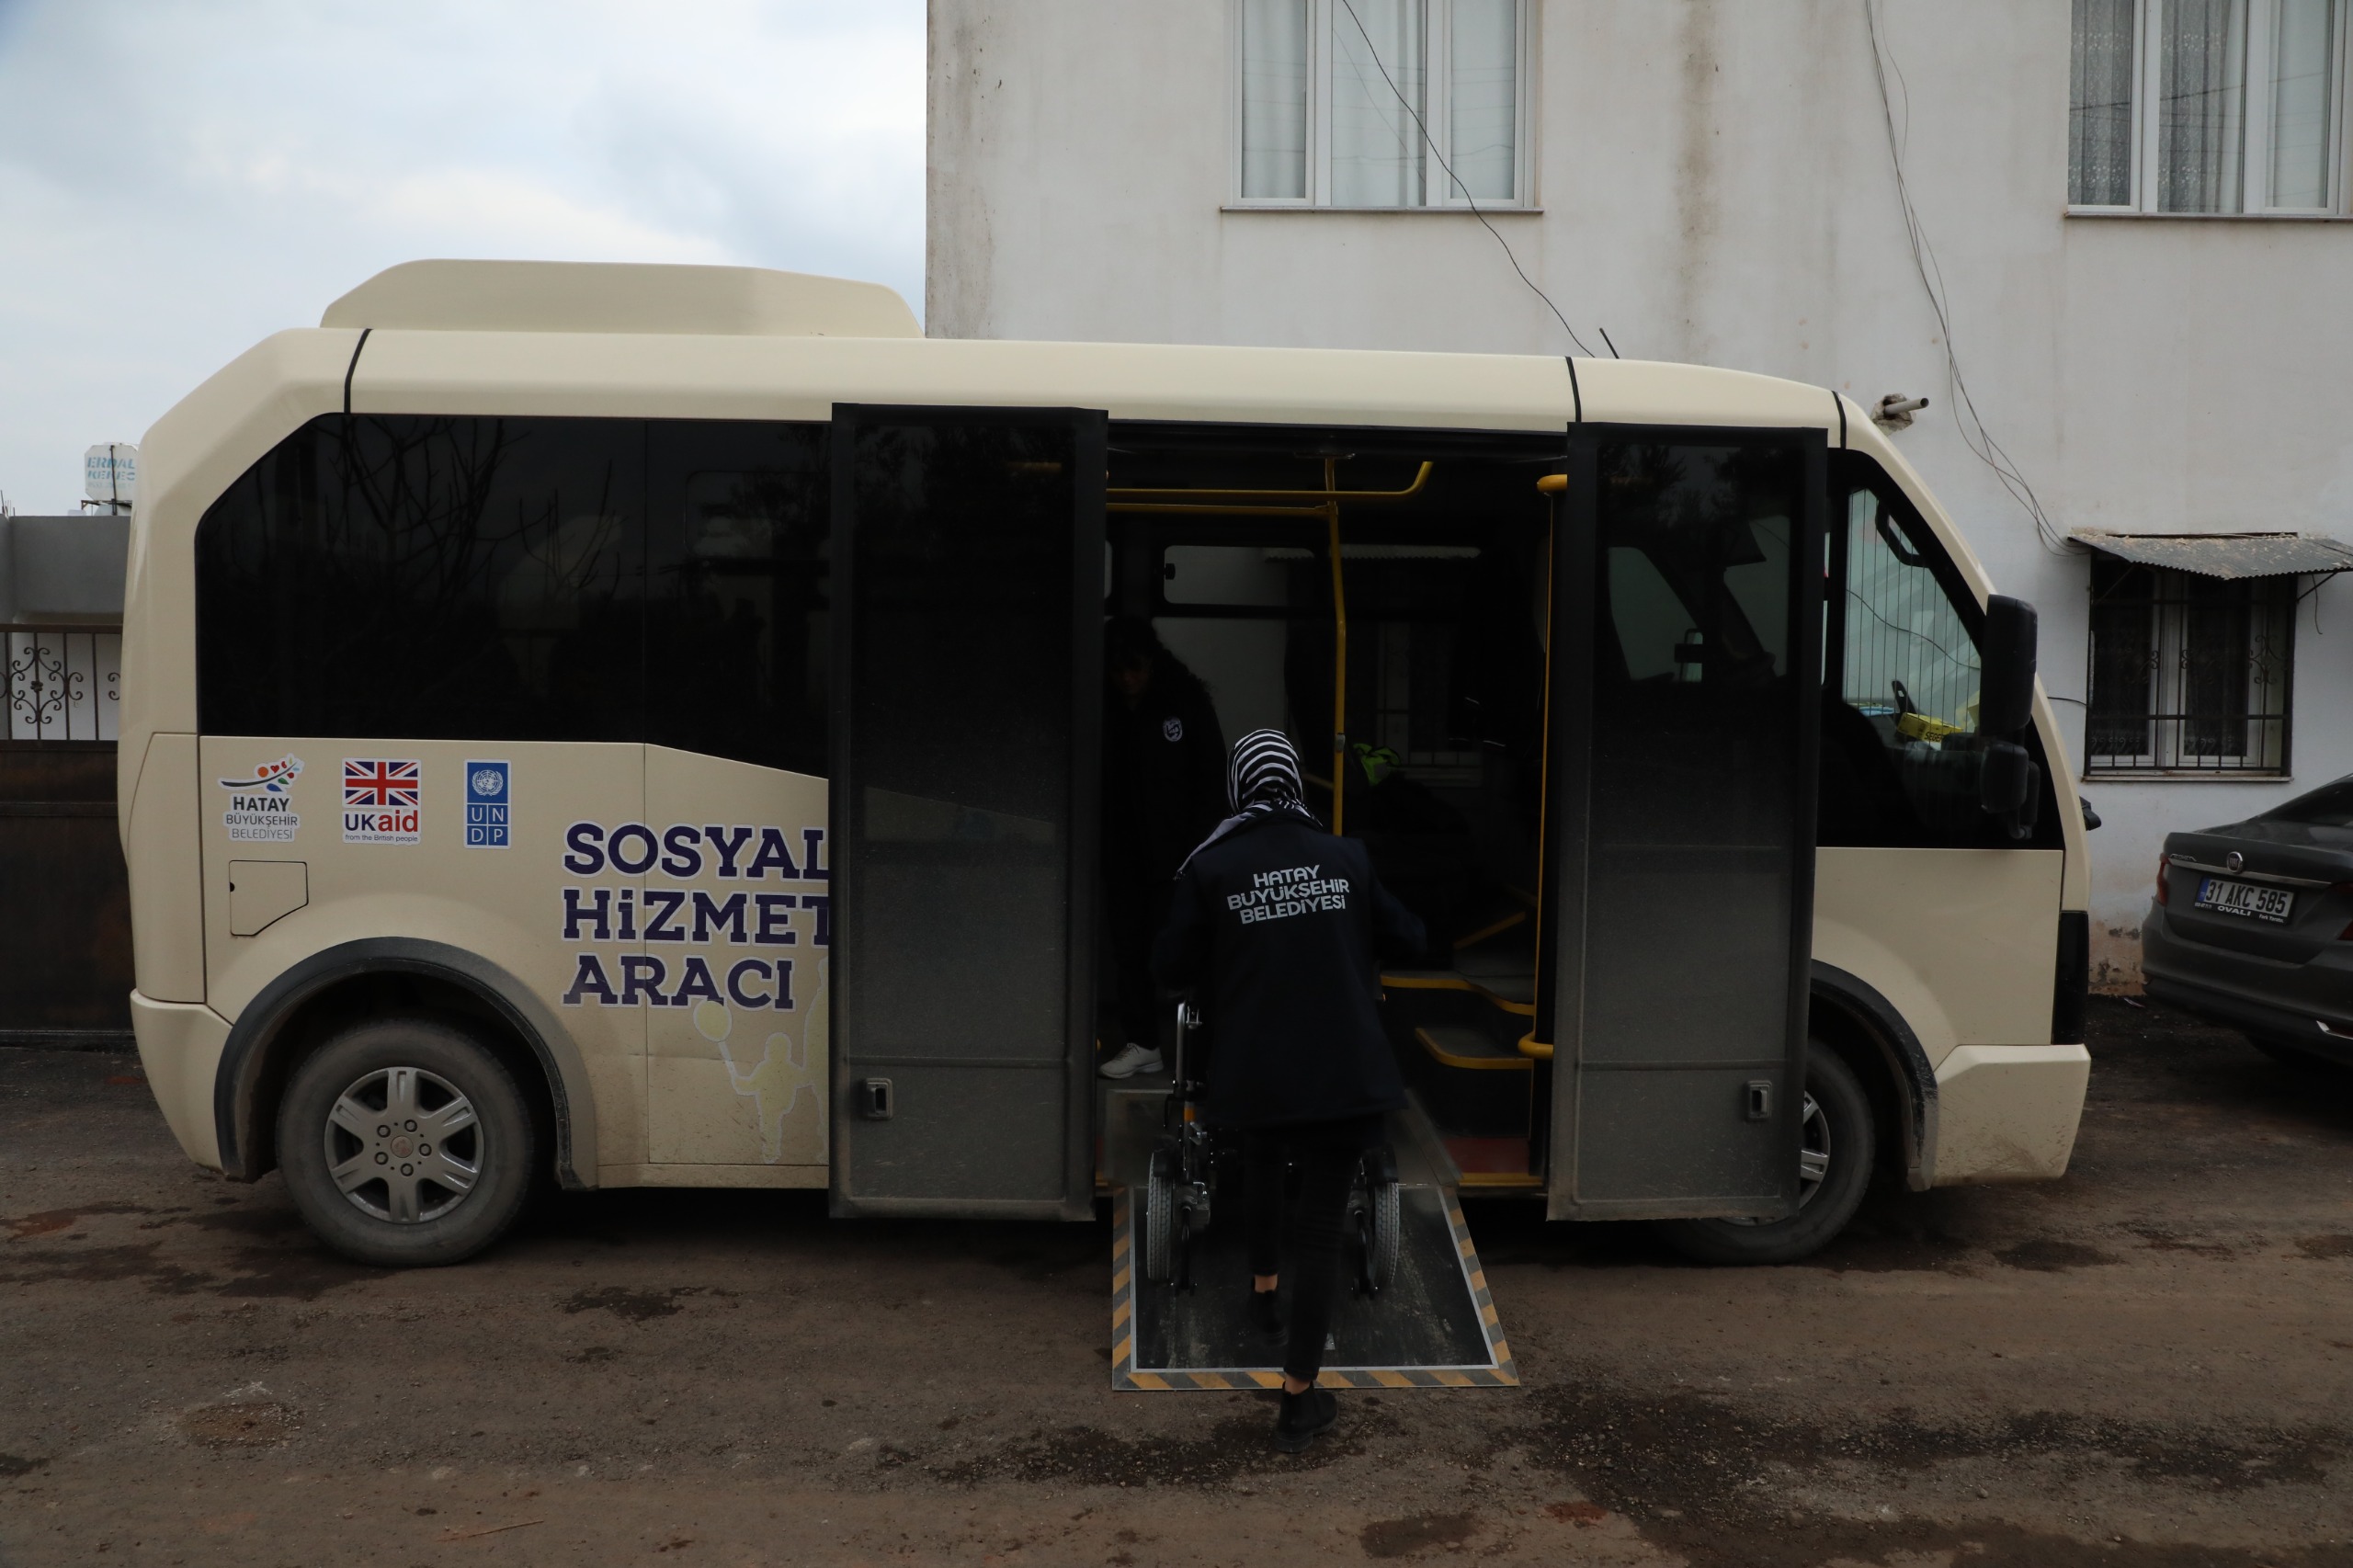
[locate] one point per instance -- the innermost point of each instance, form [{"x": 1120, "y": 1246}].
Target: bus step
[{"x": 1452, "y": 1045}]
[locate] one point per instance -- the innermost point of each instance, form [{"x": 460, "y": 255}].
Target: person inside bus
[
  {"x": 1163, "y": 757},
  {"x": 1282, "y": 926}
]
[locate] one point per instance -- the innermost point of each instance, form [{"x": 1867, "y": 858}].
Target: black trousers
[
  {"x": 1136, "y": 908},
  {"x": 1327, "y": 1153}
]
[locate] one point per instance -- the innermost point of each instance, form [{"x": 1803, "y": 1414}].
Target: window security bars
[
  {"x": 61, "y": 684},
  {"x": 2189, "y": 675}
]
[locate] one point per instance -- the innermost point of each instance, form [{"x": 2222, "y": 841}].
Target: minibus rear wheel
[
  {"x": 405, "y": 1143},
  {"x": 1838, "y": 1145}
]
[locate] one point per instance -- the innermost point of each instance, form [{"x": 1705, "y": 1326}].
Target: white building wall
[{"x": 1715, "y": 186}]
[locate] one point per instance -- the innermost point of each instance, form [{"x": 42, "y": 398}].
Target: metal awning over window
[{"x": 2231, "y": 557}]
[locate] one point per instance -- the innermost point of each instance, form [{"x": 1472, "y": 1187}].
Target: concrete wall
[
  {"x": 63, "y": 570},
  {"x": 1716, "y": 186}
]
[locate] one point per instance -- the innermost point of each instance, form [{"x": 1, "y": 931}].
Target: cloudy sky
[{"x": 179, "y": 179}]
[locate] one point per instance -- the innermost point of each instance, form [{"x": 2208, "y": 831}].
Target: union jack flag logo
[{"x": 379, "y": 783}]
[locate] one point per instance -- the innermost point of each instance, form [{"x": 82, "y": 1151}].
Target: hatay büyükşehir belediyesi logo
[
  {"x": 275, "y": 778},
  {"x": 261, "y": 808}
]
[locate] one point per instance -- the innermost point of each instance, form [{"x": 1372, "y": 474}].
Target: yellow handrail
[
  {"x": 1324, "y": 496},
  {"x": 1327, "y": 503},
  {"x": 1551, "y": 485}
]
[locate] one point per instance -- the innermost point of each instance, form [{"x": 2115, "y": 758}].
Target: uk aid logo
[
  {"x": 488, "y": 798},
  {"x": 261, "y": 808},
  {"x": 383, "y": 800}
]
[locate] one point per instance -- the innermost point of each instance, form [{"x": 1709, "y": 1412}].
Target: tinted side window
[
  {"x": 524, "y": 579},
  {"x": 1694, "y": 640},
  {"x": 737, "y": 591},
  {"x": 429, "y": 578}
]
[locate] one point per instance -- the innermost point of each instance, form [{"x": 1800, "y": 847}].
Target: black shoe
[
  {"x": 1267, "y": 1315},
  {"x": 1304, "y": 1417}
]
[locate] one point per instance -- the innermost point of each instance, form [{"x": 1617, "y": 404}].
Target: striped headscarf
[
  {"x": 1261, "y": 780},
  {"x": 1263, "y": 773}
]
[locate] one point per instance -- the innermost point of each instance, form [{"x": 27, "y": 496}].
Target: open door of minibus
[
  {"x": 1679, "y": 830},
  {"x": 966, "y": 636}
]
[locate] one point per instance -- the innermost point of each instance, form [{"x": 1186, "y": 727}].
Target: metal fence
[
  {"x": 65, "y": 969},
  {"x": 61, "y": 685}
]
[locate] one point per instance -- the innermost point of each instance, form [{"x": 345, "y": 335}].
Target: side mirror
[
  {"x": 2009, "y": 786},
  {"x": 2006, "y": 681},
  {"x": 2004, "y": 778}
]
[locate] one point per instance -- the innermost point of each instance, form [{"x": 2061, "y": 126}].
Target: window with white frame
[
  {"x": 2208, "y": 107},
  {"x": 1371, "y": 103}
]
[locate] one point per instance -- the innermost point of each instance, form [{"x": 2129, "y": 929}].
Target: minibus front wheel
[
  {"x": 405, "y": 1143},
  {"x": 1836, "y": 1146}
]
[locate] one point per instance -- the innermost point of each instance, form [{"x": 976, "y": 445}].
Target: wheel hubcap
[
  {"x": 1813, "y": 1156},
  {"x": 404, "y": 1145},
  {"x": 1814, "y": 1152}
]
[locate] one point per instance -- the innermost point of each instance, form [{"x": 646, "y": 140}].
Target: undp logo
[{"x": 488, "y": 802}]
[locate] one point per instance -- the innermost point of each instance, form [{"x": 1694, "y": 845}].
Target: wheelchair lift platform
[{"x": 1434, "y": 1325}]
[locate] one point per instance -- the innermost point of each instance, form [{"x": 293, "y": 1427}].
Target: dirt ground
[{"x": 2145, "y": 1363}]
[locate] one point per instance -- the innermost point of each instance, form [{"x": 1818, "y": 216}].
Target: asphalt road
[{"x": 2145, "y": 1363}]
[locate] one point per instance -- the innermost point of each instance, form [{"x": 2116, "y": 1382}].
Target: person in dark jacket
[
  {"x": 1282, "y": 926},
  {"x": 1163, "y": 757}
]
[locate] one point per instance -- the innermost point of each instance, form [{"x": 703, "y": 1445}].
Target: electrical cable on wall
[
  {"x": 1469, "y": 200},
  {"x": 1973, "y": 433}
]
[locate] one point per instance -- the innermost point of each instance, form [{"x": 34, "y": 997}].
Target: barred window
[{"x": 2189, "y": 674}]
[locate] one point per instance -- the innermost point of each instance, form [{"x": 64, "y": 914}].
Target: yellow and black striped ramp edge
[{"x": 1491, "y": 1368}]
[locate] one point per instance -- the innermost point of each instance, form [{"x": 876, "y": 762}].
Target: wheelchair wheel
[
  {"x": 1380, "y": 1253},
  {"x": 1160, "y": 1218},
  {"x": 1373, "y": 1222}
]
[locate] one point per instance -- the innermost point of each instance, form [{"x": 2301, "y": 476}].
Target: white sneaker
[{"x": 1132, "y": 1059}]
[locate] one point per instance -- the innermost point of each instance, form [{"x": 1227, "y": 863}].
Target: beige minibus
[{"x": 641, "y": 726}]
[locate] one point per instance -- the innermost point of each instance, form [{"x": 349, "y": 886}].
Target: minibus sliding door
[
  {"x": 967, "y": 680},
  {"x": 1686, "y": 615}
]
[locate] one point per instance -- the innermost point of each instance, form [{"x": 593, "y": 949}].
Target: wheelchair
[{"x": 1190, "y": 1163}]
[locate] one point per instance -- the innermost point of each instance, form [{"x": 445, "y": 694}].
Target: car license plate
[{"x": 2244, "y": 899}]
